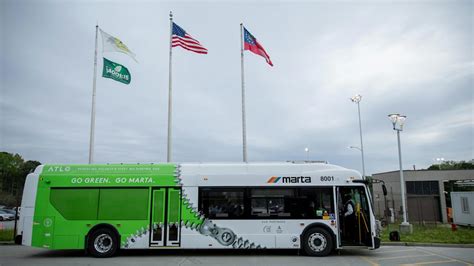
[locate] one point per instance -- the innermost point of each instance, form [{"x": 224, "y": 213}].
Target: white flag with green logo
[{"x": 112, "y": 44}]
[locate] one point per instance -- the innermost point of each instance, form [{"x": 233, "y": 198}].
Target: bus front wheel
[
  {"x": 317, "y": 242},
  {"x": 102, "y": 243}
]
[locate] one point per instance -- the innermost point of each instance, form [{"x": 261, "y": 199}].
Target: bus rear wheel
[
  {"x": 317, "y": 242},
  {"x": 102, "y": 243}
]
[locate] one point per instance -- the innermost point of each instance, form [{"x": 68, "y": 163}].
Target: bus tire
[
  {"x": 18, "y": 239},
  {"x": 102, "y": 243},
  {"x": 317, "y": 242}
]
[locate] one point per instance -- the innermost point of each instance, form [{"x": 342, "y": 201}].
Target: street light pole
[
  {"x": 398, "y": 121},
  {"x": 356, "y": 99},
  {"x": 402, "y": 180}
]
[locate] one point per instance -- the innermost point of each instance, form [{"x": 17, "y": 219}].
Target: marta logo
[{"x": 289, "y": 179}]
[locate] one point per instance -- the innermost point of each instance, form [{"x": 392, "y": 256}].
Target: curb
[
  {"x": 417, "y": 244},
  {"x": 7, "y": 243}
]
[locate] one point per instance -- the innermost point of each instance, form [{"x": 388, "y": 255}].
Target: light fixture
[
  {"x": 397, "y": 121},
  {"x": 357, "y": 98}
]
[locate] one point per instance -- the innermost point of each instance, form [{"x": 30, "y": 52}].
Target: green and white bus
[{"x": 104, "y": 208}]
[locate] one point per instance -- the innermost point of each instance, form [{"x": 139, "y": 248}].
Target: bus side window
[
  {"x": 271, "y": 202},
  {"x": 222, "y": 203},
  {"x": 317, "y": 202}
]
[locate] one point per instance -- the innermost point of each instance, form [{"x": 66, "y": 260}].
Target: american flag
[{"x": 181, "y": 38}]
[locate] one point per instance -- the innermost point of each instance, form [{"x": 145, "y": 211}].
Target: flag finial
[{"x": 171, "y": 14}]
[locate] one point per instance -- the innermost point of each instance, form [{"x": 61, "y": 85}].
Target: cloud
[{"x": 411, "y": 58}]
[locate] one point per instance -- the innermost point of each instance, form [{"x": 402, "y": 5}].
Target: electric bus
[{"x": 105, "y": 208}]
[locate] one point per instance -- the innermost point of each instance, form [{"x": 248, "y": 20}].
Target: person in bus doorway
[{"x": 349, "y": 218}]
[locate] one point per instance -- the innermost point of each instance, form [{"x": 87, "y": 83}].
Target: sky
[{"x": 409, "y": 57}]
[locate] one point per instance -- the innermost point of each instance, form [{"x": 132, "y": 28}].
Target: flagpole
[
  {"x": 169, "y": 157},
  {"x": 244, "y": 134},
  {"x": 91, "y": 141}
]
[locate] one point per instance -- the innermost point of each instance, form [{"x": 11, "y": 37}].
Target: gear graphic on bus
[
  {"x": 198, "y": 222},
  {"x": 193, "y": 219},
  {"x": 139, "y": 239}
]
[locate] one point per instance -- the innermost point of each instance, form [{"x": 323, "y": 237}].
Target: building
[{"x": 427, "y": 193}]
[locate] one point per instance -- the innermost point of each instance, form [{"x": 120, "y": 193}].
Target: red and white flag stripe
[{"x": 189, "y": 43}]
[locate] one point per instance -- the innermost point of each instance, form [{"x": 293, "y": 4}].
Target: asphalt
[
  {"x": 386, "y": 255},
  {"x": 419, "y": 244}
]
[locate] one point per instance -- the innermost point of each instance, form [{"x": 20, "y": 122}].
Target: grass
[
  {"x": 6, "y": 235},
  {"x": 433, "y": 234}
]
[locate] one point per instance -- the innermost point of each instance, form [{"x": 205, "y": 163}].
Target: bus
[{"x": 105, "y": 208}]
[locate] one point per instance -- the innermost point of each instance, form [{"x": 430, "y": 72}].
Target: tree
[
  {"x": 27, "y": 167},
  {"x": 452, "y": 165},
  {"x": 13, "y": 172},
  {"x": 434, "y": 167},
  {"x": 10, "y": 169}
]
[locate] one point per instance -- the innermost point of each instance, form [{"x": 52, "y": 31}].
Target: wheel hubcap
[
  {"x": 317, "y": 242},
  {"x": 103, "y": 243}
]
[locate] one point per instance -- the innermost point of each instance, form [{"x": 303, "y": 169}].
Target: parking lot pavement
[
  {"x": 386, "y": 255},
  {"x": 390, "y": 255}
]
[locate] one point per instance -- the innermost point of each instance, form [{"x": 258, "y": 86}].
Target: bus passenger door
[
  {"x": 338, "y": 205},
  {"x": 354, "y": 221},
  {"x": 173, "y": 218},
  {"x": 165, "y": 217},
  {"x": 158, "y": 217}
]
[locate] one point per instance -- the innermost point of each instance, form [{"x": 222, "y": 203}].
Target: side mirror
[{"x": 384, "y": 188}]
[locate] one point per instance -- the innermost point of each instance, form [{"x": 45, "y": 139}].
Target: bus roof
[
  {"x": 207, "y": 168},
  {"x": 253, "y": 171}
]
